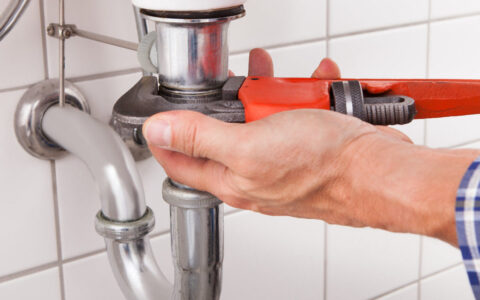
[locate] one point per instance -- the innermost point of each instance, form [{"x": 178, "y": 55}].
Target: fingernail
[{"x": 159, "y": 133}]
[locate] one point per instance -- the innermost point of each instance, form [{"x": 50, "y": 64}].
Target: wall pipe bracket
[{"x": 29, "y": 115}]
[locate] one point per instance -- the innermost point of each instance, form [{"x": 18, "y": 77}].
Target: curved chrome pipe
[
  {"x": 122, "y": 197},
  {"x": 10, "y": 16}
]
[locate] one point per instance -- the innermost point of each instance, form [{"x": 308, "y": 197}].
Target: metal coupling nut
[
  {"x": 181, "y": 196},
  {"x": 125, "y": 231}
]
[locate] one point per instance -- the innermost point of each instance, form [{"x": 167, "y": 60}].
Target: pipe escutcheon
[
  {"x": 182, "y": 196},
  {"x": 29, "y": 115},
  {"x": 125, "y": 231}
]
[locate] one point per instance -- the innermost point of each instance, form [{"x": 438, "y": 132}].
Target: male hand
[{"x": 311, "y": 164}]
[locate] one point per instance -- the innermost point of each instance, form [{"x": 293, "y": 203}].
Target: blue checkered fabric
[{"x": 467, "y": 213}]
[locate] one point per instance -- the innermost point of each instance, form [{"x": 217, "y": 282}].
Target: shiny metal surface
[
  {"x": 105, "y": 39},
  {"x": 107, "y": 157},
  {"x": 196, "y": 226},
  {"x": 121, "y": 194},
  {"x": 10, "y": 16},
  {"x": 142, "y": 29},
  {"x": 30, "y": 111},
  {"x": 61, "y": 52},
  {"x": 136, "y": 270},
  {"x": 192, "y": 53},
  {"x": 125, "y": 231}
]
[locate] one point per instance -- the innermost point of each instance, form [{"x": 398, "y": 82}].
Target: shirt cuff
[{"x": 467, "y": 215}]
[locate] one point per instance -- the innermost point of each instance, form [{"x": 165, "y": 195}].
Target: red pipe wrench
[{"x": 378, "y": 101}]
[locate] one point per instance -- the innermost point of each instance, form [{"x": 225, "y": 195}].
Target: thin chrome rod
[
  {"x": 61, "y": 52},
  {"x": 106, "y": 39},
  {"x": 142, "y": 29},
  {"x": 10, "y": 16}
]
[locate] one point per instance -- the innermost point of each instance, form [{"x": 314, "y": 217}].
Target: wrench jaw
[
  {"x": 145, "y": 99},
  {"x": 348, "y": 98}
]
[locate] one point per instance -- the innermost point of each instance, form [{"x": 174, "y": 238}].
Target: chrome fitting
[
  {"x": 29, "y": 116},
  {"x": 179, "y": 195},
  {"x": 61, "y": 31},
  {"x": 125, "y": 231}
]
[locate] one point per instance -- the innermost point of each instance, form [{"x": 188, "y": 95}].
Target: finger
[
  {"x": 198, "y": 173},
  {"x": 260, "y": 63},
  {"x": 327, "y": 69},
  {"x": 230, "y": 73},
  {"x": 193, "y": 134}
]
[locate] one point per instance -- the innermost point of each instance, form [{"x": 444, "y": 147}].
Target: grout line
[
  {"x": 44, "y": 38},
  {"x": 360, "y": 32},
  {"x": 57, "y": 229},
  {"x": 420, "y": 269},
  {"x": 327, "y": 28},
  {"x": 325, "y": 261},
  {"x": 16, "y": 88},
  {"x": 442, "y": 270},
  {"x": 281, "y": 45},
  {"x": 464, "y": 144},
  {"x": 82, "y": 256},
  {"x": 417, "y": 281},
  {"x": 232, "y": 212},
  {"x": 27, "y": 272},
  {"x": 427, "y": 75},
  {"x": 81, "y": 78},
  {"x": 395, "y": 290},
  {"x": 100, "y": 251}
]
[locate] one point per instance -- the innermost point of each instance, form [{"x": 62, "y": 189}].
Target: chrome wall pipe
[
  {"x": 10, "y": 16},
  {"x": 124, "y": 219},
  {"x": 105, "y": 154}
]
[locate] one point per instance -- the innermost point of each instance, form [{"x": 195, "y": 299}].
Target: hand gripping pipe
[
  {"x": 125, "y": 220},
  {"x": 10, "y": 16}
]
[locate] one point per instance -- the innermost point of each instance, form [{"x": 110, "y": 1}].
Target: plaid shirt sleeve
[{"x": 467, "y": 214}]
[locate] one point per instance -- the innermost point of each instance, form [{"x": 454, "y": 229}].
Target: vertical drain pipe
[
  {"x": 196, "y": 225},
  {"x": 192, "y": 51}
]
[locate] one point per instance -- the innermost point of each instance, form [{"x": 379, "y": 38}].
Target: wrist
[
  {"x": 436, "y": 193},
  {"x": 402, "y": 187}
]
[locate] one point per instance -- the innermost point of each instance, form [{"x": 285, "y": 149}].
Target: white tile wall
[
  {"x": 25, "y": 44},
  {"x": 449, "y": 8},
  {"x": 371, "y": 14},
  {"x": 27, "y": 215},
  {"x": 263, "y": 272},
  {"x": 452, "y": 284},
  {"x": 272, "y": 23},
  {"x": 437, "y": 255},
  {"x": 41, "y": 285},
  {"x": 265, "y": 258},
  {"x": 408, "y": 293},
  {"x": 359, "y": 259}
]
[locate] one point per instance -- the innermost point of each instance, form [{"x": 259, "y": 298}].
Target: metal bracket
[
  {"x": 61, "y": 32},
  {"x": 29, "y": 115}
]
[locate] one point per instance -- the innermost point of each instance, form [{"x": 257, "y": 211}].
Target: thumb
[{"x": 190, "y": 133}]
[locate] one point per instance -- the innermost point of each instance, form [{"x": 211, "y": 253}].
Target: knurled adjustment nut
[{"x": 125, "y": 231}]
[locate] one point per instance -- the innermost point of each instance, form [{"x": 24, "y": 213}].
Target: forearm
[{"x": 408, "y": 188}]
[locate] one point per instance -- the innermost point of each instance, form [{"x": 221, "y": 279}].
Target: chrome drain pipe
[
  {"x": 11, "y": 15},
  {"x": 124, "y": 220},
  {"x": 196, "y": 225}
]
